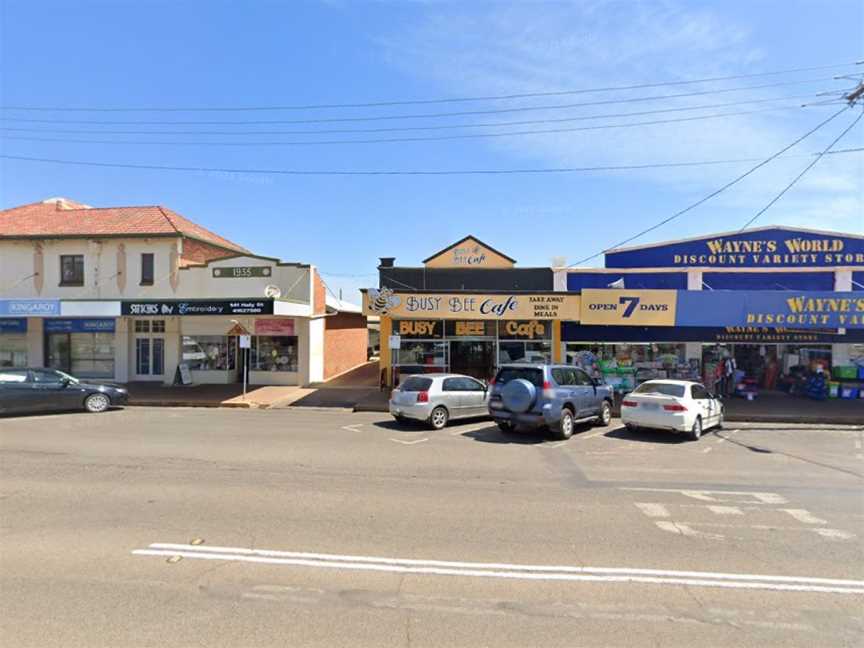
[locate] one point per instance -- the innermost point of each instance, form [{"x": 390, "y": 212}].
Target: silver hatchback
[{"x": 438, "y": 398}]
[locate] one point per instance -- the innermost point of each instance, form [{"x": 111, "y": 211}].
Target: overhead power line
[
  {"x": 461, "y": 113},
  {"x": 715, "y": 192},
  {"x": 392, "y": 140},
  {"x": 435, "y": 127},
  {"x": 394, "y": 172},
  {"x": 819, "y": 156},
  {"x": 410, "y": 102}
]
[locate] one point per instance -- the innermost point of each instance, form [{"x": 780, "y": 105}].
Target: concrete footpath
[{"x": 767, "y": 408}]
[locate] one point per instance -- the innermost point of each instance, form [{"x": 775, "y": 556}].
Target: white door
[
  {"x": 707, "y": 406},
  {"x": 149, "y": 349}
]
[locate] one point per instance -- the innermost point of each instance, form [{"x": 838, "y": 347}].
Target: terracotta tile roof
[{"x": 63, "y": 217}]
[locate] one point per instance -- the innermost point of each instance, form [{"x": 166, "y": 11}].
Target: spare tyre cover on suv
[{"x": 518, "y": 395}]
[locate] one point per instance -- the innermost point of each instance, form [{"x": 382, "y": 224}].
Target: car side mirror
[{"x": 65, "y": 381}]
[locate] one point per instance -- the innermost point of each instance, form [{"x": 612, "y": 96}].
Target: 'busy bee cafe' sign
[{"x": 473, "y": 306}]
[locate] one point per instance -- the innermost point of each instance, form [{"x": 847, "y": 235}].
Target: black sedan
[{"x": 44, "y": 390}]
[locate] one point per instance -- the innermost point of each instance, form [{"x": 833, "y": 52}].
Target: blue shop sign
[
  {"x": 101, "y": 325},
  {"x": 13, "y": 324},
  {"x": 771, "y": 247},
  {"x": 30, "y": 307},
  {"x": 787, "y": 308}
]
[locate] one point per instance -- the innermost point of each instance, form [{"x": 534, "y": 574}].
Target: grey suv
[{"x": 541, "y": 395}]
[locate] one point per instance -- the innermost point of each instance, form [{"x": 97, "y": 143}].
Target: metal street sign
[{"x": 245, "y": 341}]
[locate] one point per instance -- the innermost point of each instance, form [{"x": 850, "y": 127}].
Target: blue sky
[{"x": 224, "y": 54}]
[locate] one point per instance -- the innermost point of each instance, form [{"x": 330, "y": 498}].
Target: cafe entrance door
[{"x": 473, "y": 358}]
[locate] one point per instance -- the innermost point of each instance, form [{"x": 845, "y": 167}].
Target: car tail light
[
  {"x": 547, "y": 384},
  {"x": 675, "y": 408},
  {"x": 423, "y": 397},
  {"x": 491, "y": 382},
  {"x": 547, "y": 390},
  {"x": 627, "y": 403}
]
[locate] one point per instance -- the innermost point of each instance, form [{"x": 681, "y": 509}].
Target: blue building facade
[{"x": 777, "y": 300}]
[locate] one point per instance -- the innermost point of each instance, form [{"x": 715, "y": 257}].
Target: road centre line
[{"x": 505, "y": 570}]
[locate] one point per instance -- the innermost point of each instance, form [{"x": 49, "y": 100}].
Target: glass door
[
  {"x": 474, "y": 358},
  {"x": 149, "y": 349}
]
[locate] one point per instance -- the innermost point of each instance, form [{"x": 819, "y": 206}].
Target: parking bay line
[{"x": 510, "y": 571}]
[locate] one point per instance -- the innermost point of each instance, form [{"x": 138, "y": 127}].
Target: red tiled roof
[{"x": 63, "y": 217}]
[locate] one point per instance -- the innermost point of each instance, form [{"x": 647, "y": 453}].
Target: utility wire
[
  {"x": 394, "y": 140},
  {"x": 490, "y": 111},
  {"x": 299, "y": 172},
  {"x": 713, "y": 193},
  {"x": 800, "y": 175},
  {"x": 420, "y": 128},
  {"x": 408, "y": 102}
]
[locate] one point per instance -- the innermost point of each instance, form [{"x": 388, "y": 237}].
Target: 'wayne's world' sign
[{"x": 763, "y": 248}]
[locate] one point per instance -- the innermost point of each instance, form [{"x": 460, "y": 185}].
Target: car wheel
[
  {"x": 696, "y": 430},
  {"x": 96, "y": 403},
  {"x": 631, "y": 428},
  {"x": 605, "y": 414},
  {"x": 439, "y": 417},
  {"x": 505, "y": 426},
  {"x": 564, "y": 429},
  {"x": 400, "y": 419}
]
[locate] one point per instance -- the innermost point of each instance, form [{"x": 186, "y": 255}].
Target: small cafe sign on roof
[{"x": 470, "y": 252}]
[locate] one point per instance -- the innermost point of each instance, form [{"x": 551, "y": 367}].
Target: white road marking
[
  {"x": 473, "y": 428},
  {"x": 416, "y": 441},
  {"x": 707, "y": 450},
  {"x": 719, "y": 496},
  {"x": 504, "y": 570},
  {"x": 557, "y": 444},
  {"x": 805, "y": 516},
  {"x": 652, "y": 509},
  {"x": 857, "y": 444},
  {"x": 725, "y": 510},
  {"x": 834, "y": 534},
  {"x": 353, "y": 427},
  {"x": 831, "y": 534},
  {"x": 684, "y": 529}
]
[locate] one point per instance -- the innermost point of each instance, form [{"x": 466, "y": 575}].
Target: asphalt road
[{"x": 182, "y": 527}]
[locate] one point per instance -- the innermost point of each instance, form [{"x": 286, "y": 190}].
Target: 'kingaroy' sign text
[
  {"x": 469, "y": 306},
  {"x": 755, "y": 249}
]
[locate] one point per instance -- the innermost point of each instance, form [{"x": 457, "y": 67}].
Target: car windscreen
[
  {"x": 416, "y": 384},
  {"x": 665, "y": 389},
  {"x": 506, "y": 374}
]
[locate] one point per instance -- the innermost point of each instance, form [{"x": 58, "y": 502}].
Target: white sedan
[{"x": 675, "y": 405}]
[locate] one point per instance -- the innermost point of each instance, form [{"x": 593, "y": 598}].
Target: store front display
[
  {"x": 627, "y": 365},
  {"x": 210, "y": 352},
  {"x": 470, "y": 347},
  {"x": 270, "y": 353},
  {"x": 13, "y": 342},
  {"x": 81, "y": 347}
]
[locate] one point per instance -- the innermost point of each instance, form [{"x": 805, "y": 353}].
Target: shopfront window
[
  {"x": 626, "y": 365},
  {"x": 13, "y": 350},
  {"x": 274, "y": 353},
  {"x": 210, "y": 352},
  {"x": 419, "y": 356}
]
